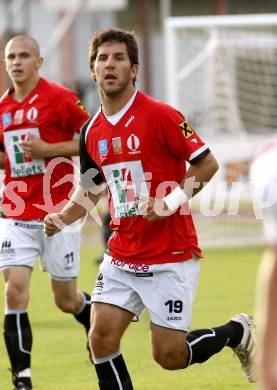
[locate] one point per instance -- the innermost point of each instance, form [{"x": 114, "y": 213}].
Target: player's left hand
[
  {"x": 153, "y": 209},
  {"x": 35, "y": 147}
]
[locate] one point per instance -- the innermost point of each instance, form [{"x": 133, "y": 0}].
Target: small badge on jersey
[
  {"x": 6, "y": 119},
  {"x": 81, "y": 106},
  {"x": 18, "y": 117},
  {"x": 187, "y": 130},
  {"x": 103, "y": 146},
  {"x": 116, "y": 144}
]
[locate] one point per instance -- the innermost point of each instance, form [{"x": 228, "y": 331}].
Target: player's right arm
[
  {"x": 81, "y": 202},
  {"x": 72, "y": 116},
  {"x": 85, "y": 196}
]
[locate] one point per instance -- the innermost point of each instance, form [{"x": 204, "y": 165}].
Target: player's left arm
[
  {"x": 198, "y": 175},
  {"x": 183, "y": 143}
]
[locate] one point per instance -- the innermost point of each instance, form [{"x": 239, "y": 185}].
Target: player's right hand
[{"x": 52, "y": 224}]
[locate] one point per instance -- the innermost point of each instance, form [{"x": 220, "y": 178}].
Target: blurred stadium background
[{"x": 215, "y": 60}]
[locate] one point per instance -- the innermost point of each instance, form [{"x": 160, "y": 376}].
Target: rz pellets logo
[
  {"x": 121, "y": 179},
  {"x": 20, "y": 157}
]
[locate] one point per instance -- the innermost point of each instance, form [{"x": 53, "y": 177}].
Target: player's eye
[
  {"x": 120, "y": 57},
  {"x": 102, "y": 57}
]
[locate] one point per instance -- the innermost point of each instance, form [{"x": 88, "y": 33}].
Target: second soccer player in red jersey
[{"x": 37, "y": 126}]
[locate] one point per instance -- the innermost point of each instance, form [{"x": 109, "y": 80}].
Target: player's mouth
[
  {"x": 17, "y": 72},
  {"x": 110, "y": 77}
]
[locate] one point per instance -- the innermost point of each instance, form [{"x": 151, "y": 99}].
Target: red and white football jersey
[
  {"x": 31, "y": 186},
  {"x": 144, "y": 154}
]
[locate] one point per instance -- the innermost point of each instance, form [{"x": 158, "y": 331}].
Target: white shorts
[
  {"x": 22, "y": 243},
  {"x": 165, "y": 290}
]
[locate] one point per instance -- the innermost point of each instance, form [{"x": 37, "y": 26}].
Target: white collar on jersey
[{"x": 114, "y": 119}]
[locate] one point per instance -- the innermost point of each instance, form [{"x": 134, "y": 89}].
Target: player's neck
[
  {"x": 112, "y": 104},
  {"x": 22, "y": 90}
]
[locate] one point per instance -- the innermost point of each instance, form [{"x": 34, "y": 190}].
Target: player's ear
[
  {"x": 93, "y": 75},
  {"x": 40, "y": 62},
  {"x": 134, "y": 71}
]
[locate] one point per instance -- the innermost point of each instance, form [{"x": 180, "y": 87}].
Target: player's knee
[
  {"x": 102, "y": 342},
  {"x": 65, "y": 305},
  {"x": 16, "y": 295},
  {"x": 170, "y": 359}
]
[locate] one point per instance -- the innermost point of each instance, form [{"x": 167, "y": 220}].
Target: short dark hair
[
  {"x": 113, "y": 35},
  {"x": 25, "y": 37}
]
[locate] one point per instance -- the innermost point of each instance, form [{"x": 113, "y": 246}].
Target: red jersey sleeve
[
  {"x": 73, "y": 112},
  {"x": 179, "y": 136}
]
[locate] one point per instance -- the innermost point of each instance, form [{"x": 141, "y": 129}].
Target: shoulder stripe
[
  {"x": 90, "y": 123},
  {"x": 4, "y": 95}
]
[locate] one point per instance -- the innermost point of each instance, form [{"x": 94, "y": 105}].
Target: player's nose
[{"x": 110, "y": 62}]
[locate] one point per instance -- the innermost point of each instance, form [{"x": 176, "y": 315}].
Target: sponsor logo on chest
[
  {"x": 21, "y": 165},
  {"x": 133, "y": 144},
  {"x": 32, "y": 114}
]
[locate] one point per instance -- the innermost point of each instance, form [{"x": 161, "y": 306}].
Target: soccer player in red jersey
[
  {"x": 38, "y": 121},
  {"x": 139, "y": 147}
]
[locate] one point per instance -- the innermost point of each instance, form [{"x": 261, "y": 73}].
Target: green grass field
[{"x": 226, "y": 287}]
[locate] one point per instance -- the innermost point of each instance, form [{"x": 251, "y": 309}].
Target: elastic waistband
[{"x": 33, "y": 224}]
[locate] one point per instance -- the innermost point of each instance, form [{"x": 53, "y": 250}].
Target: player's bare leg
[
  {"x": 70, "y": 300},
  {"x": 174, "y": 349},
  {"x": 169, "y": 347},
  {"x": 108, "y": 325},
  {"x": 17, "y": 328}
]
